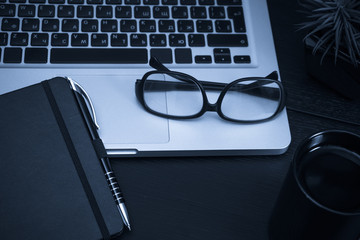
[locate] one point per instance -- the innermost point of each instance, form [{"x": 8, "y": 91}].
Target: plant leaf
[{"x": 334, "y": 27}]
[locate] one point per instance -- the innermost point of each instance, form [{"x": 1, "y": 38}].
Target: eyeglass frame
[{"x": 207, "y": 106}]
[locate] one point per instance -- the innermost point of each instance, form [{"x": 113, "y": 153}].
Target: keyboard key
[
  {"x": 70, "y": 25},
  {"x": 138, "y": 40},
  {"x": 60, "y": 39},
  {"x": 151, "y": 2},
  {"x": 227, "y": 40},
  {"x": 75, "y": 1},
  {"x": 239, "y": 24},
  {"x": 235, "y": 12},
  {"x": 123, "y": 12},
  {"x": 36, "y": 55},
  {"x": 56, "y": 1},
  {"x": 222, "y": 59},
  {"x": 12, "y": 55},
  {"x": 177, "y": 40},
  {"x": 3, "y": 39},
  {"x": 204, "y": 26},
  {"x": 203, "y": 59},
  {"x": 30, "y": 24},
  {"x": 221, "y": 51},
  {"x": 98, "y": 55},
  {"x": 89, "y": 25},
  {"x": 119, "y": 40},
  {"x": 198, "y": 12},
  {"x": 161, "y": 12},
  {"x": 196, "y": 40},
  {"x": 185, "y": 26},
  {"x": 109, "y": 26},
  {"x": 94, "y": 1},
  {"x": 147, "y": 26},
  {"x": 128, "y": 26},
  {"x": 39, "y": 39},
  {"x": 242, "y": 59},
  {"x": 166, "y": 25},
  {"x": 37, "y": 1},
  {"x": 222, "y": 55},
  {"x": 188, "y": 2},
  {"x": 223, "y": 26},
  {"x": 229, "y": 2},
  {"x": 79, "y": 40},
  {"x": 157, "y": 40},
  {"x": 46, "y": 11},
  {"x": 104, "y": 12},
  {"x": 7, "y": 10},
  {"x": 179, "y": 12},
  {"x": 26, "y": 11},
  {"x": 10, "y": 24},
  {"x": 217, "y": 12},
  {"x": 113, "y": 1},
  {"x": 132, "y": 2},
  {"x": 169, "y": 2},
  {"x": 183, "y": 55},
  {"x": 142, "y": 12},
  {"x": 19, "y": 39},
  {"x": 206, "y": 2},
  {"x": 50, "y": 25},
  {"x": 99, "y": 40},
  {"x": 164, "y": 55},
  {"x": 66, "y": 11},
  {"x": 85, "y": 11},
  {"x": 237, "y": 15}
]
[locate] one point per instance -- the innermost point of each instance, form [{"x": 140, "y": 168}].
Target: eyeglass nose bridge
[{"x": 211, "y": 107}]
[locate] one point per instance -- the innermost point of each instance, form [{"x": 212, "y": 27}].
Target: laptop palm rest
[{"x": 132, "y": 125}]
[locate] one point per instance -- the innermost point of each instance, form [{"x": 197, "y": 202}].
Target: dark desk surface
[{"x": 232, "y": 197}]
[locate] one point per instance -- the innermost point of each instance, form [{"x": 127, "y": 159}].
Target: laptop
[{"x": 105, "y": 46}]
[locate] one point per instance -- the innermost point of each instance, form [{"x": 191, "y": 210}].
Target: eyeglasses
[{"x": 177, "y": 95}]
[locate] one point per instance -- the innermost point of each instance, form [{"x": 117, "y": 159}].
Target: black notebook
[{"x": 52, "y": 184}]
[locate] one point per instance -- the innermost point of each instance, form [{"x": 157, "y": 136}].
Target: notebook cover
[{"x": 43, "y": 194}]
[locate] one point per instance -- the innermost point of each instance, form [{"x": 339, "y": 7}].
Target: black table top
[{"x": 232, "y": 197}]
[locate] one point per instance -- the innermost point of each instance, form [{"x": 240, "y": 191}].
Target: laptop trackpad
[{"x": 121, "y": 117}]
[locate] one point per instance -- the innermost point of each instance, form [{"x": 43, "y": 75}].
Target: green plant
[{"x": 333, "y": 28}]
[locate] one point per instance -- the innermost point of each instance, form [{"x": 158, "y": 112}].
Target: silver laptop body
[{"x": 125, "y": 128}]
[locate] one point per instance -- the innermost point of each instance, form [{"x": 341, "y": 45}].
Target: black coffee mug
[{"x": 320, "y": 197}]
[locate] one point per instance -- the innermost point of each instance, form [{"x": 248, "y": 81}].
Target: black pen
[{"x": 93, "y": 126}]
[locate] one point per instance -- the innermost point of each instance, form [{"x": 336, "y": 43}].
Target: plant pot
[{"x": 343, "y": 77}]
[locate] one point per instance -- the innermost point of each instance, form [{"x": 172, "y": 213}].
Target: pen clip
[{"x": 76, "y": 87}]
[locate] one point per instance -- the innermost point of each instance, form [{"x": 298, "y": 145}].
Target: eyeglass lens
[
  {"x": 251, "y": 100},
  {"x": 167, "y": 95}
]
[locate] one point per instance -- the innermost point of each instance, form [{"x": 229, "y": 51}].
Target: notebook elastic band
[{"x": 75, "y": 158}]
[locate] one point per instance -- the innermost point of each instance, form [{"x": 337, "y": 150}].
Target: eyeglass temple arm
[
  {"x": 207, "y": 85},
  {"x": 156, "y": 64},
  {"x": 157, "y": 85},
  {"x": 218, "y": 86}
]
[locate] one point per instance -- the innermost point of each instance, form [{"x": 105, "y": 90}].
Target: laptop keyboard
[{"x": 50, "y": 32}]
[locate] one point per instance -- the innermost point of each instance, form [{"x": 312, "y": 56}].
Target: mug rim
[{"x": 297, "y": 156}]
